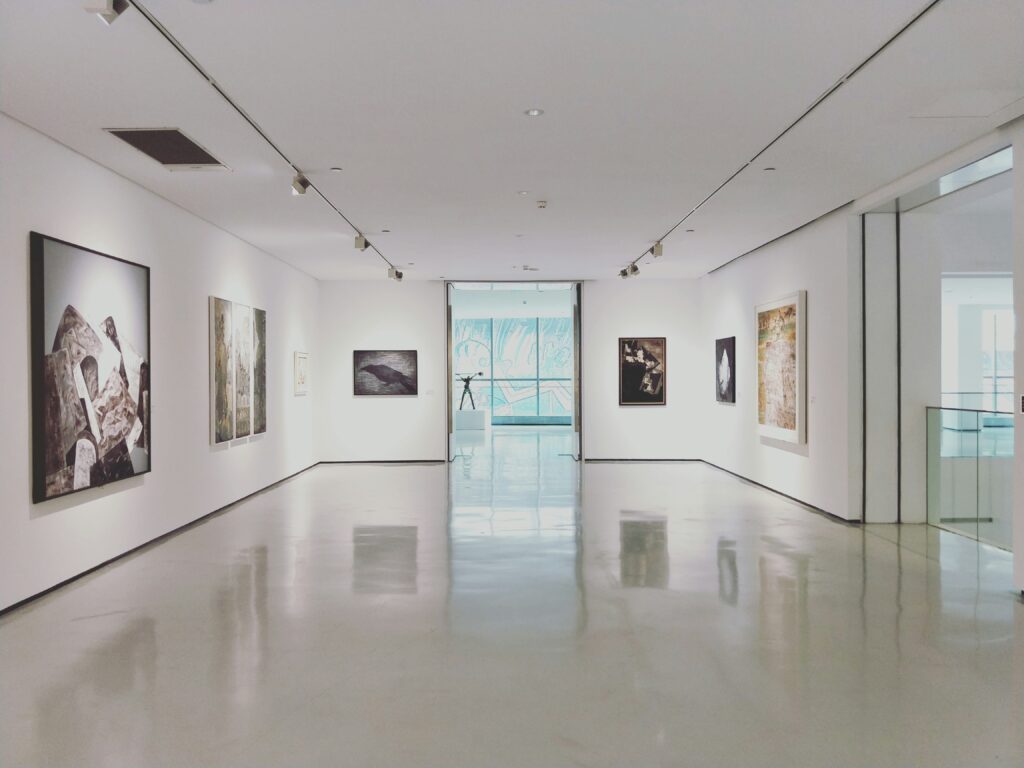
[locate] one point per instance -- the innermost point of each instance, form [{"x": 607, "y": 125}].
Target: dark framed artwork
[
  {"x": 385, "y": 372},
  {"x": 725, "y": 370},
  {"x": 642, "y": 371},
  {"x": 90, "y": 349}
]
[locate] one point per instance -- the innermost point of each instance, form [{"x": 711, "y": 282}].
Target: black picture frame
[
  {"x": 643, "y": 383},
  {"x": 38, "y": 350},
  {"x": 385, "y": 373},
  {"x": 725, "y": 391}
]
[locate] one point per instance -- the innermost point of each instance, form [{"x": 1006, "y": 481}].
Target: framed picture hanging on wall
[
  {"x": 642, "y": 370},
  {"x": 781, "y": 368},
  {"x": 301, "y": 371},
  {"x": 90, "y": 368},
  {"x": 725, "y": 370}
]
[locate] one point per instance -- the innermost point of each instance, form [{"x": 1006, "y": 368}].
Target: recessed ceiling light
[
  {"x": 534, "y": 112},
  {"x": 689, "y": 230},
  {"x": 769, "y": 168},
  {"x": 385, "y": 231},
  {"x": 336, "y": 169},
  {"x": 519, "y": 235},
  {"x": 523, "y": 192}
]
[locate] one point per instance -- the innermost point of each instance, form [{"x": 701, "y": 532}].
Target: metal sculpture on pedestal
[{"x": 466, "y": 379}]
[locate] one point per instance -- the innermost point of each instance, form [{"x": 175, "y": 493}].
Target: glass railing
[{"x": 970, "y": 473}]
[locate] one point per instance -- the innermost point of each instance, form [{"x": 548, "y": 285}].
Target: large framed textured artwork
[
  {"x": 238, "y": 370},
  {"x": 90, "y": 351},
  {"x": 385, "y": 372},
  {"x": 781, "y": 368},
  {"x": 642, "y": 371},
  {"x": 725, "y": 370}
]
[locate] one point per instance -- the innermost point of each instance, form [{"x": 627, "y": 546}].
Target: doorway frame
[{"x": 577, "y": 318}]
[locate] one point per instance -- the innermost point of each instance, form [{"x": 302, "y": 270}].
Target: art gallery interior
[{"x": 514, "y": 384}]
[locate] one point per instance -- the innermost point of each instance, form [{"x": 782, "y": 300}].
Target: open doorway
[{"x": 513, "y": 361}]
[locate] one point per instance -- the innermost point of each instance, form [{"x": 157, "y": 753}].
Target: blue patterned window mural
[{"x": 525, "y": 367}]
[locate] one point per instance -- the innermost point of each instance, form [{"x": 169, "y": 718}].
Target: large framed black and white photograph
[
  {"x": 642, "y": 368},
  {"x": 725, "y": 370},
  {"x": 90, "y": 368},
  {"x": 385, "y": 372}
]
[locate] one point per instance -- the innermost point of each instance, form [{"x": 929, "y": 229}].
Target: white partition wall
[
  {"x": 617, "y": 308},
  {"x": 50, "y": 189},
  {"x": 882, "y": 423},
  {"x": 380, "y": 315},
  {"x": 822, "y": 258}
]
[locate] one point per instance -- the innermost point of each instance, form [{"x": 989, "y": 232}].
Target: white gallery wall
[
  {"x": 822, "y": 258},
  {"x": 380, "y": 315},
  {"x": 617, "y": 308},
  {"x": 49, "y": 189}
]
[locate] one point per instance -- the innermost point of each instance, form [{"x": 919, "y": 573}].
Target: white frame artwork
[
  {"x": 301, "y": 384},
  {"x": 799, "y": 434}
]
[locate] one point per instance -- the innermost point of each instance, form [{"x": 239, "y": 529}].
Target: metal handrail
[{"x": 966, "y": 410}]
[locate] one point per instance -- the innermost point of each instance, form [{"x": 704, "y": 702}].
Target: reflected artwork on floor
[
  {"x": 301, "y": 372},
  {"x": 377, "y": 372},
  {"x": 643, "y": 553},
  {"x": 725, "y": 370},
  {"x": 90, "y": 368},
  {"x": 238, "y": 370},
  {"x": 642, "y": 371},
  {"x": 780, "y": 368}
]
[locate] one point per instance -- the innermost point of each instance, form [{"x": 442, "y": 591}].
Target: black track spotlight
[
  {"x": 107, "y": 10},
  {"x": 623, "y": 273},
  {"x": 395, "y": 274},
  {"x": 633, "y": 269},
  {"x": 299, "y": 184}
]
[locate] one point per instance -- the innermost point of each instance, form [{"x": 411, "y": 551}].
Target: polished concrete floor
[{"x": 518, "y": 614}]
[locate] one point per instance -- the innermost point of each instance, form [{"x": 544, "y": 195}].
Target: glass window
[
  {"x": 556, "y": 342},
  {"x": 515, "y": 348}
]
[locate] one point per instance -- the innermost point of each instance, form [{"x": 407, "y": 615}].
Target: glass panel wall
[
  {"x": 524, "y": 367},
  {"x": 957, "y": 350}
]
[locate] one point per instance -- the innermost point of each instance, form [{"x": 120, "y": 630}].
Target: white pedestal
[{"x": 471, "y": 420}]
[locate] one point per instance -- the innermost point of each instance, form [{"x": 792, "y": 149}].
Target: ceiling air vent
[{"x": 170, "y": 147}]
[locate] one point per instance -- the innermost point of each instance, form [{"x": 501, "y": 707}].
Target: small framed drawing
[
  {"x": 301, "y": 373},
  {"x": 781, "y": 368}
]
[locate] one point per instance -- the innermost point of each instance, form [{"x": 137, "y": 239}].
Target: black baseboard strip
[
  {"x": 389, "y": 461},
  {"x": 642, "y": 461},
  {"x": 809, "y": 507},
  {"x": 151, "y": 543},
  {"x": 804, "y": 504}
]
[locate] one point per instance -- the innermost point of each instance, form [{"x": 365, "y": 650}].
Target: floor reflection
[
  {"x": 384, "y": 559},
  {"x": 396, "y": 616},
  {"x": 728, "y": 573},
  {"x": 643, "y": 553},
  {"x": 515, "y": 538},
  {"x": 81, "y": 718}
]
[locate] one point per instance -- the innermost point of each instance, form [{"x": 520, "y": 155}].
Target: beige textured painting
[{"x": 777, "y": 367}]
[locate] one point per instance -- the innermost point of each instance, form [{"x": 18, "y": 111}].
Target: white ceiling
[{"x": 649, "y": 106}]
